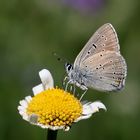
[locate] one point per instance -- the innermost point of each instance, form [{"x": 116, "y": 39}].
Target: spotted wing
[
  {"x": 104, "y": 39},
  {"x": 105, "y": 71}
]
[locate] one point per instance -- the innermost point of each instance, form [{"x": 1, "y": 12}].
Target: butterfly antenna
[
  {"x": 63, "y": 60},
  {"x": 60, "y": 58}
]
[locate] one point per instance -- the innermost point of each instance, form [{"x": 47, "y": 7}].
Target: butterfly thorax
[{"x": 77, "y": 76}]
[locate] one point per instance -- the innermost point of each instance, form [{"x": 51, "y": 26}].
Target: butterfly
[{"x": 100, "y": 64}]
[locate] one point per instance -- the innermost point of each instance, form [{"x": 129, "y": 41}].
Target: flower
[{"x": 55, "y": 108}]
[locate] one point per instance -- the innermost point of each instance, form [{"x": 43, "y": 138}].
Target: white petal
[
  {"x": 98, "y": 105},
  {"x": 37, "y": 89},
  {"x": 90, "y": 108},
  {"x": 87, "y": 109},
  {"x": 42, "y": 126},
  {"x": 83, "y": 117},
  {"x": 93, "y": 107},
  {"x": 55, "y": 127},
  {"x": 28, "y": 98},
  {"x": 49, "y": 126},
  {"x": 25, "y": 117},
  {"x": 23, "y": 103},
  {"x": 66, "y": 128},
  {"x": 46, "y": 79},
  {"x": 21, "y": 113},
  {"x": 21, "y": 108}
]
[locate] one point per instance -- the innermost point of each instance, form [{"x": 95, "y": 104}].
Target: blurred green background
[{"x": 31, "y": 30}]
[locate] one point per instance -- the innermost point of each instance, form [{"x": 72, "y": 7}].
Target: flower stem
[{"x": 52, "y": 135}]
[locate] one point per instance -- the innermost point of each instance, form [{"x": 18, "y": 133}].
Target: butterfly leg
[
  {"x": 67, "y": 84},
  {"x": 64, "y": 81},
  {"x": 71, "y": 87},
  {"x": 74, "y": 88},
  {"x": 66, "y": 87},
  {"x": 83, "y": 94}
]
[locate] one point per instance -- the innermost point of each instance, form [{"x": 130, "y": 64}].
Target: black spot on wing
[{"x": 94, "y": 46}]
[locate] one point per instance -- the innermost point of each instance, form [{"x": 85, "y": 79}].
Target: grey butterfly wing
[
  {"x": 105, "y": 38},
  {"x": 107, "y": 73}
]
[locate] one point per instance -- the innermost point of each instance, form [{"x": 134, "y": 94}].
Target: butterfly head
[{"x": 68, "y": 67}]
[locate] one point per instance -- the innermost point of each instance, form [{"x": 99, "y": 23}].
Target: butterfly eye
[{"x": 68, "y": 67}]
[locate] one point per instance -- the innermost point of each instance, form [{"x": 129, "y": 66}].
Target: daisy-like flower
[{"x": 55, "y": 108}]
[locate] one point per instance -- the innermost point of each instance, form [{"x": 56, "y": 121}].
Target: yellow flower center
[{"x": 55, "y": 107}]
